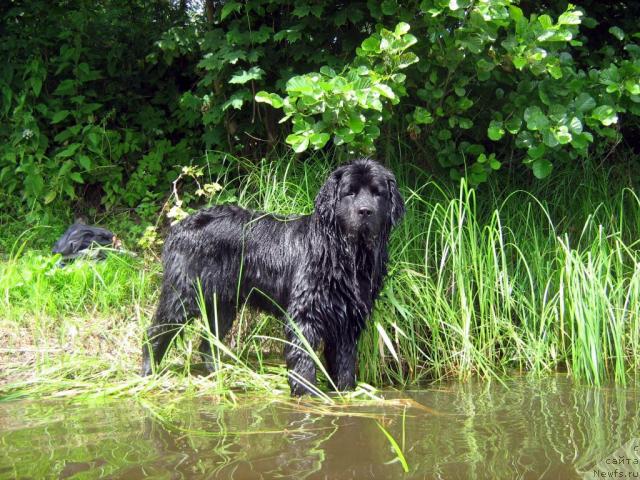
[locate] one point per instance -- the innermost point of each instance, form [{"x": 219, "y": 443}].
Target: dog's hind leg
[
  {"x": 168, "y": 321},
  {"x": 220, "y": 316}
]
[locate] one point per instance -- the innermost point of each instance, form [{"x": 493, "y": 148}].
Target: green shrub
[{"x": 105, "y": 99}]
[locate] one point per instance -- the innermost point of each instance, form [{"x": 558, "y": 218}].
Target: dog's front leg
[
  {"x": 341, "y": 362},
  {"x": 301, "y": 366}
]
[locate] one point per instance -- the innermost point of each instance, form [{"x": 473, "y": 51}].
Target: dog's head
[{"x": 362, "y": 199}]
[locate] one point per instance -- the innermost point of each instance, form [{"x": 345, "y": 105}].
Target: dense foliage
[{"x": 106, "y": 100}]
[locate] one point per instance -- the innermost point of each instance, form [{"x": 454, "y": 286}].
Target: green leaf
[
  {"x": 465, "y": 123},
  {"x": 584, "y": 102},
  {"x": 292, "y": 35},
  {"x": 34, "y": 183},
  {"x": 228, "y": 8},
  {"x": 545, "y": 21},
  {"x": 94, "y": 139},
  {"x": 422, "y": 116},
  {"x": 562, "y": 135},
  {"x": 372, "y": 131},
  {"x": 276, "y": 101},
  {"x": 408, "y": 40},
  {"x": 59, "y": 116},
  {"x": 474, "y": 149},
  {"x": 536, "y": 120},
  {"x": 605, "y": 114},
  {"x": 244, "y": 76},
  {"x": 632, "y": 86},
  {"x": 465, "y": 103},
  {"x": 549, "y": 138},
  {"x": 571, "y": 17},
  {"x": 402, "y": 28},
  {"x": 272, "y": 99},
  {"x": 525, "y": 139},
  {"x": 458, "y": 4},
  {"x": 299, "y": 143},
  {"x": 343, "y": 135},
  {"x": 454, "y": 174},
  {"x": 385, "y": 90},
  {"x": 538, "y": 151},
  {"x": 495, "y": 130},
  {"x": 330, "y": 72},
  {"x": 237, "y": 99},
  {"x": 575, "y": 125},
  {"x": 473, "y": 43},
  {"x": 302, "y": 10},
  {"x": 373, "y": 102},
  {"x": 7, "y": 94},
  {"x": 50, "y": 196},
  {"x": 76, "y": 177},
  {"x": 389, "y": 7},
  {"x": 65, "y": 168},
  {"x": 478, "y": 177},
  {"x": 69, "y": 151},
  {"x": 66, "y": 87},
  {"x": 371, "y": 44},
  {"x": 609, "y": 132},
  {"x": 484, "y": 66},
  {"x": 558, "y": 113},
  {"x": 542, "y": 168},
  {"x": 407, "y": 59},
  {"x": 555, "y": 71},
  {"x": 301, "y": 85},
  {"x": 519, "y": 62},
  {"x": 582, "y": 140},
  {"x": 85, "y": 162},
  {"x": 513, "y": 124},
  {"x": 356, "y": 123},
  {"x": 68, "y": 188},
  {"x": 319, "y": 140},
  {"x": 516, "y": 13},
  {"x": 617, "y": 32},
  {"x": 36, "y": 85},
  {"x": 444, "y": 134}
]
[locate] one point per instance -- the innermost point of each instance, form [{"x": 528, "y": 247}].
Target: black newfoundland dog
[{"x": 324, "y": 270}]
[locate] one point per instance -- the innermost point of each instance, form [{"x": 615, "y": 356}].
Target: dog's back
[{"x": 258, "y": 250}]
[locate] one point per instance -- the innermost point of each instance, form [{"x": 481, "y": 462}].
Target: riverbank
[{"x": 481, "y": 283}]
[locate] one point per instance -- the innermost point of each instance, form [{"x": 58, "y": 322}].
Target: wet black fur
[{"x": 325, "y": 270}]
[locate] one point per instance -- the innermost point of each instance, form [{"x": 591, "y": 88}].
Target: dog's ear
[
  {"x": 397, "y": 203},
  {"x": 327, "y": 197}
]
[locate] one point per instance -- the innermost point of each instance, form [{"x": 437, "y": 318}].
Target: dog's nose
[{"x": 365, "y": 211}]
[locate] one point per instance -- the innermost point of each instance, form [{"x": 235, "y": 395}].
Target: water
[{"x": 548, "y": 428}]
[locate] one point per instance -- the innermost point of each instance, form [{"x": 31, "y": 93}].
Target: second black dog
[{"x": 324, "y": 270}]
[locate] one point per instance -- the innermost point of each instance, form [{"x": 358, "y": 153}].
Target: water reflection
[{"x": 528, "y": 429}]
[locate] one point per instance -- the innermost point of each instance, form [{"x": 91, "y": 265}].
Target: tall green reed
[{"x": 488, "y": 289}]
